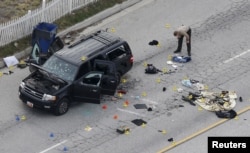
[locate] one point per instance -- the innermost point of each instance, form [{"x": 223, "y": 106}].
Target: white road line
[
  {"x": 231, "y": 59},
  {"x": 52, "y": 147},
  {"x": 127, "y": 111},
  {"x": 150, "y": 101}
]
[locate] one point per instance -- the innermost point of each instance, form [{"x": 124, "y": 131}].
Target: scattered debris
[
  {"x": 226, "y": 114},
  {"x": 164, "y": 89},
  {"x": 181, "y": 106},
  {"x": 22, "y": 64},
  {"x": 8, "y": 73},
  {"x": 179, "y": 89},
  {"x": 188, "y": 99},
  {"x": 150, "y": 109},
  {"x": 181, "y": 59},
  {"x": 139, "y": 122},
  {"x": 216, "y": 101},
  {"x": 162, "y": 131},
  {"x": 170, "y": 139},
  {"x": 169, "y": 72},
  {"x": 123, "y": 129},
  {"x": 186, "y": 83},
  {"x": 151, "y": 69},
  {"x": 10, "y": 61},
  {"x": 153, "y": 42},
  {"x": 140, "y": 106}
]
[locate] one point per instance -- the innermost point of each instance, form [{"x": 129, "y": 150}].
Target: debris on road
[
  {"x": 153, "y": 43},
  {"x": 140, "y": 106},
  {"x": 240, "y": 99},
  {"x": 181, "y": 59},
  {"x": 170, "y": 139},
  {"x": 138, "y": 122},
  {"x": 226, "y": 114},
  {"x": 123, "y": 129},
  {"x": 151, "y": 69}
]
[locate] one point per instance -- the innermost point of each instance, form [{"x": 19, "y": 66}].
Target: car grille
[{"x": 33, "y": 93}]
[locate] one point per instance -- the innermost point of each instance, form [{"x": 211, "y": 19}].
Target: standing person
[{"x": 180, "y": 33}]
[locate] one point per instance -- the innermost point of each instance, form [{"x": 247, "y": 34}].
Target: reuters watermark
[{"x": 228, "y": 144}]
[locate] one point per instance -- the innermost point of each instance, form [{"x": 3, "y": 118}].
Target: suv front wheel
[{"x": 62, "y": 107}]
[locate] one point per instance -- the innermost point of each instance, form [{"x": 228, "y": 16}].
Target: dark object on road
[
  {"x": 188, "y": 100},
  {"x": 241, "y": 100},
  {"x": 22, "y": 65},
  {"x": 226, "y": 114},
  {"x": 164, "y": 89},
  {"x": 122, "y": 129},
  {"x": 8, "y": 73},
  {"x": 151, "y": 69},
  {"x": 181, "y": 106},
  {"x": 139, "y": 122},
  {"x": 170, "y": 139},
  {"x": 150, "y": 109},
  {"x": 194, "y": 81},
  {"x": 78, "y": 75},
  {"x": 153, "y": 42},
  {"x": 140, "y": 106}
]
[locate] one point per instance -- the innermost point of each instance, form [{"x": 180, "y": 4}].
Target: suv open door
[{"x": 92, "y": 85}]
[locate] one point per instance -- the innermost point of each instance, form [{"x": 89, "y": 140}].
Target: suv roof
[{"x": 88, "y": 46}]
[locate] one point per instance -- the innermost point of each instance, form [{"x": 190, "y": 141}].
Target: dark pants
[{"x": 180, "y": 40}]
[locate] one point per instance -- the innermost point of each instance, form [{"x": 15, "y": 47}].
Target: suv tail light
[{"x": 131, "y": 59}]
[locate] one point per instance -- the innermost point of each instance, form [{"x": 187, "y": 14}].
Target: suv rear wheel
[{"x": 62, "y": 107}]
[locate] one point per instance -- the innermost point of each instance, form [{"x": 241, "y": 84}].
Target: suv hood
[{"x": 44, "y": 81}]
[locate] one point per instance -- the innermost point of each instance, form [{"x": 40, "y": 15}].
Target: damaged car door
[{"x": 92, "y": 85}]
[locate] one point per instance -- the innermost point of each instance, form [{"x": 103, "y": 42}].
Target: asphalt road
[{"x": 220, "y": 60}]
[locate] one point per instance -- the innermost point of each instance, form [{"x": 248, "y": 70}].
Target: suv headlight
[
  {"x": 22, "y": 84},
  {"x": 49, "y": 97}
]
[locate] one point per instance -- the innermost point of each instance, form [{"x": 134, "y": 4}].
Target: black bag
[{"x": 151, "y": 69}]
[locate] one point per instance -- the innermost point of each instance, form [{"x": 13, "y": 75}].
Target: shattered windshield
[{"x": 61, "y": 68}]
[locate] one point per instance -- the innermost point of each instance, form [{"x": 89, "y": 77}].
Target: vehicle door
[
  {"x": 90, "y": 87},
  {"x": 121, "y": 56},
  {"x": 109, "y": 81},
  {"x": 87, "y": 88}
]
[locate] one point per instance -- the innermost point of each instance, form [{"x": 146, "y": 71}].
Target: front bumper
[{"x": 32, "y": 101}]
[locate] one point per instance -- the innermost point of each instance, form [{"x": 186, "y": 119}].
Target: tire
[{"x": 62, "y": 107}]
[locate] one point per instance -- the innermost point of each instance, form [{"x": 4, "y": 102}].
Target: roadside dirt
[{"x": 11, "y": 9}]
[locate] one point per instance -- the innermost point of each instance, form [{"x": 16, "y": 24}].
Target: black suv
[{"x": 81, "y": 72}]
